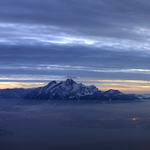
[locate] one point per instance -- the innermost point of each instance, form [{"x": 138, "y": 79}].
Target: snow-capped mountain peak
[
  {"x": 62, "y": 90},
  {"x": 113, "y": 92},
  {"x": 69, "y": 82},
  {"x": 51, "y": 84},
  {"x": 70, "y": 90}
]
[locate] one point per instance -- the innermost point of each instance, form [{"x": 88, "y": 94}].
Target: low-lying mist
[{"x": 62, "y": 125}]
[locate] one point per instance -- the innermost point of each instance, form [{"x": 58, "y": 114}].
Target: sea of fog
[{"x": 74, "y": 125}]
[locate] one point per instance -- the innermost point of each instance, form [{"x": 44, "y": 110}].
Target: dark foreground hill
[{"x": 70, "y": 90}]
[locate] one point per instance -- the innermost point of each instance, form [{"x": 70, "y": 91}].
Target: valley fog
[{"x": 64, "y": 125}]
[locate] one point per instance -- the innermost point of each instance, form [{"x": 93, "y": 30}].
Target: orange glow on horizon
[
  {"x": 10, "y": 85},
  {"x": 125, "y": 86}
]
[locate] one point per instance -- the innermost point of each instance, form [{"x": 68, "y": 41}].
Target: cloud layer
[{"x": 81, "y": 39}]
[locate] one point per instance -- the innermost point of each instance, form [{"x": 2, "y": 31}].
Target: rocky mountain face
[
  {"x": 63, "y": 90},
  {"x": 70, "y": 90}
]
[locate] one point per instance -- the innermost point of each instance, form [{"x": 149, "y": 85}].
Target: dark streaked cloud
[
  {"x": 77, "y": 57},
  {"x": 109, "y": 18}
]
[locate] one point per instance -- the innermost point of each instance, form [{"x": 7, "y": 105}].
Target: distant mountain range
[
  {"x": 70, "y": 90},
  {"x": 14, "y": 93},
  {"x": 65, "y": 90},
  {"x": 143, "y": 96}
]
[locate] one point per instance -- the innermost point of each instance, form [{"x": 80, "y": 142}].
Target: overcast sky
[{"x": 100, "y": 42}]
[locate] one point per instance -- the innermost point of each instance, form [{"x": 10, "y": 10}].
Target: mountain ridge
[
  {"x": 14, "y": 93},
  {"x": 70, "y": 90}
]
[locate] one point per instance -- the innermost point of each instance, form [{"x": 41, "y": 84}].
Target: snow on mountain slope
[
  {"x": 70, "y": 90},
  {"x": 112, "y": 93},
  {"x": 62, "y": 90}
]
